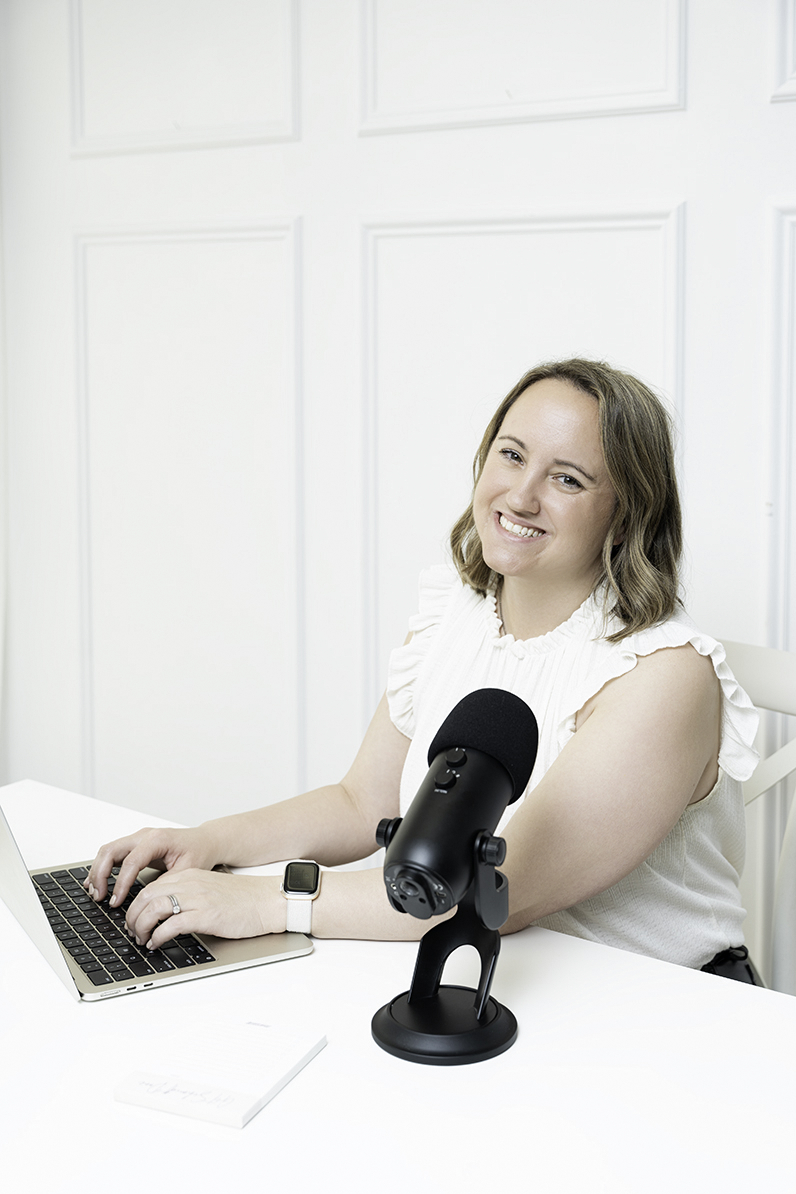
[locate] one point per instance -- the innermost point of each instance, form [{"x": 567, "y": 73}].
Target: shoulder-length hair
[{"x": 641, "y": 573}]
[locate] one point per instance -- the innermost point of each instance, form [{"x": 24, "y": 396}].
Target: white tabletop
[{"x": 627, "y": 1075}]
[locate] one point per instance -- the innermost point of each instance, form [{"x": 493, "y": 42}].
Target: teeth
[{"x": 523, "y": 532}]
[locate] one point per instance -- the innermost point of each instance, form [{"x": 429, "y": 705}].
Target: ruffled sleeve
[
  {"x": 737, "y": 755},
  {"x": 406, "y": 662}
]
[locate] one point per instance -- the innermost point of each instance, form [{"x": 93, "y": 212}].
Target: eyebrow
[{"x": 561, "y": 463}]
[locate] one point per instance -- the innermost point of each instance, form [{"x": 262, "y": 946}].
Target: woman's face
[{"x": 543, "y": 503}]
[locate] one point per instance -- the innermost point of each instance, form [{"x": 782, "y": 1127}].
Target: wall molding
[
  {"x": 782, "y": 595},
  {"x": 84, "y": 144},
  {"x": 670, "y": 222},
  {"x": 290, "y": 232},
  {"x": 786, "y": 53},
  {"x": 772, "y": 814},
  {"x": 669, "y": 97}
]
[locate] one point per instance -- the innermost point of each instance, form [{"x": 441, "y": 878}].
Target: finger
[
  {"x": 147, "y": 911},
  {"x": 96, "y": 882},
  {"x": 168, "y": 929},
  {"x": 146, "y": 852},
  {"x": 141, "y": 918}
]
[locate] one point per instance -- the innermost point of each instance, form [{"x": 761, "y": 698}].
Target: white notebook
[{"x": 226, "y": 1077}]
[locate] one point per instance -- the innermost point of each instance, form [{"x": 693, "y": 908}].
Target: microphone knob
[
  {"x": 386, "y": 830},
  {"x": 493, "y": 851},
  {"x": 445, "y": 778}
]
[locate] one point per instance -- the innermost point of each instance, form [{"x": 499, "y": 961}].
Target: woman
[{"x": 565, "y": 592}]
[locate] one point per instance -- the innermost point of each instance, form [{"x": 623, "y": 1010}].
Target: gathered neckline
[{"x": 585, "y": 614}]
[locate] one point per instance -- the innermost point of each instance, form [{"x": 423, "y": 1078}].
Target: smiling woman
[
  {"x": 624, "y": 431},
  {"x": 542, "y": 528},
  {"x": 565, "y": 593}
]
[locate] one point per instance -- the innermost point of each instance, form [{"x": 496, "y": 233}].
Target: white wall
[{"x": 269, "y": 265}]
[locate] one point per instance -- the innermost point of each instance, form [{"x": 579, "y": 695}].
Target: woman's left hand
[{"x": 209, "y": 902}]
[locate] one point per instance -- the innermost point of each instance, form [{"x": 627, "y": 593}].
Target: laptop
[{"x": 87, "y": 946}]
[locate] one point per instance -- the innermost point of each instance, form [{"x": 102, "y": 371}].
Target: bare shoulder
[{"x": 669, "y": 676}]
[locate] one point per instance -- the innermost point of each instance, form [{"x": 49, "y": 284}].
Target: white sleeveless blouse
[{"x": 682, "y": 903}]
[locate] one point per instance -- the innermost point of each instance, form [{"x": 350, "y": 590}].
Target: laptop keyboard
[{"x": 95, "y": 936}]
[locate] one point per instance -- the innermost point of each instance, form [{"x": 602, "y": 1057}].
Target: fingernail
[
  {"x": 113, "y": 901},
  {"x": 150, "y": 943}
]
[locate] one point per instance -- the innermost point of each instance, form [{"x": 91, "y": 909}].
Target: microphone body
[
  {"x": 429, "y": 861},
  {"x": 481, "y": 760}
]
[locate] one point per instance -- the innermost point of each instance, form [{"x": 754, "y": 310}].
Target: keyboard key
[
  {"x": 90, "y": 965},
  {"x": 118, "y": 975},
  {"x": 100, "y": 978},
  {"x": 140, "y": 967},
  {"x": 178, "y": 956},
  {"x": 158, "y": 962},
  {"x": 199, "y": 953}
]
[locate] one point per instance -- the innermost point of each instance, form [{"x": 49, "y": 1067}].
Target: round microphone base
[{"x": 444, "y": 1029}]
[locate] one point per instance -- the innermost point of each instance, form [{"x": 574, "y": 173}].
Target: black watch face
[{"x": 301, "y": 877}]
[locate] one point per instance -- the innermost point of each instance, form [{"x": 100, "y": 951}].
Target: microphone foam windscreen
[{"x": 498, "y": 723}]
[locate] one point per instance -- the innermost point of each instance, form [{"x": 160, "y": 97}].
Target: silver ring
[{"x": 174, "y": 905}]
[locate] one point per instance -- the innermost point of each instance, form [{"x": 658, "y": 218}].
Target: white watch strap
[{"x": 299, "y": 915}]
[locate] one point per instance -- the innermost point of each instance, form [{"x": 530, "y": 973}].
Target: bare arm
[
  {"x": 647, "y": 747},
  {"x": 330, "y": 824},
  {"x": 334, "y": 824}
]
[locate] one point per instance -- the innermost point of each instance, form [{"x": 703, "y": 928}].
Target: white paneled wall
[
  {"x": 190, "y": 494},
  {"x": 268, "y": 266},
  {"x": 150, "y": 75},
  {"x": 449, "y": 64}
]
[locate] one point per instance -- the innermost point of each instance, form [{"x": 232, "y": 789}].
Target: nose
[{"x": 523, "y": 497}]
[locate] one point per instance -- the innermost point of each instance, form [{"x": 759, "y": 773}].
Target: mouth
[{"x": 517, "y": 530}]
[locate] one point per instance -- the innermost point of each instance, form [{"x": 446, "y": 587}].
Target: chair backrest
[{"x": 769, "y": 677}]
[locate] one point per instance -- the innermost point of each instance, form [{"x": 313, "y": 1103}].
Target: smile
[{"x": 514, "y": 529}]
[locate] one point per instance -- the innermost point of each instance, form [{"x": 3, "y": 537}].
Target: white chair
[{"x": 769, "y": 677}]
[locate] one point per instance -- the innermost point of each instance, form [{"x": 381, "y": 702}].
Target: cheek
[{"x": 480, "y": 500}]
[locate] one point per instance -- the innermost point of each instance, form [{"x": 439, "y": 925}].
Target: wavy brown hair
[{"x": 642, "y": 572}]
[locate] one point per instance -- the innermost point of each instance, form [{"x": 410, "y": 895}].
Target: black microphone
[{"x": 481, "y": 760}]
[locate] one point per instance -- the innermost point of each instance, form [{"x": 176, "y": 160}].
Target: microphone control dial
[{"x": 445, "y": 778}]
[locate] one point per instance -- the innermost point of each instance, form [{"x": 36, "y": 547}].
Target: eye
[
  {"x": 569, "y": 482},
  {"x": 511, "y": 454}
]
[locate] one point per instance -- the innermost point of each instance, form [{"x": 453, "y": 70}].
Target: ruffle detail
[
  {"x": 436, "y": 586},
  {"x": 587, "y": 616},
  {"x": 737, "y": 755}
]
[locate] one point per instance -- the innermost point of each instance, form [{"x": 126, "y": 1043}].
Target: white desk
[{"x": 624, "y": 1077}]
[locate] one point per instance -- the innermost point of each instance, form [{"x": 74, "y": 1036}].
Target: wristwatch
[{"x": 301, "y": 884}]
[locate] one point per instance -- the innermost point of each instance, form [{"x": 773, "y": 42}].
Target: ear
[{"x": 619, "y": 537}]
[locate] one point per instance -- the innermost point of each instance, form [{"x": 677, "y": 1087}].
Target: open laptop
[{"x": 86, "y": 943}]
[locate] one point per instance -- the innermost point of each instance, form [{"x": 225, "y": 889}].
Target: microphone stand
[{"x": 452, "y": 1025}]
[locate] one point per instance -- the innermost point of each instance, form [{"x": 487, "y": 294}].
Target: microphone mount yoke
[{"x": 452, "y": 1025}]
